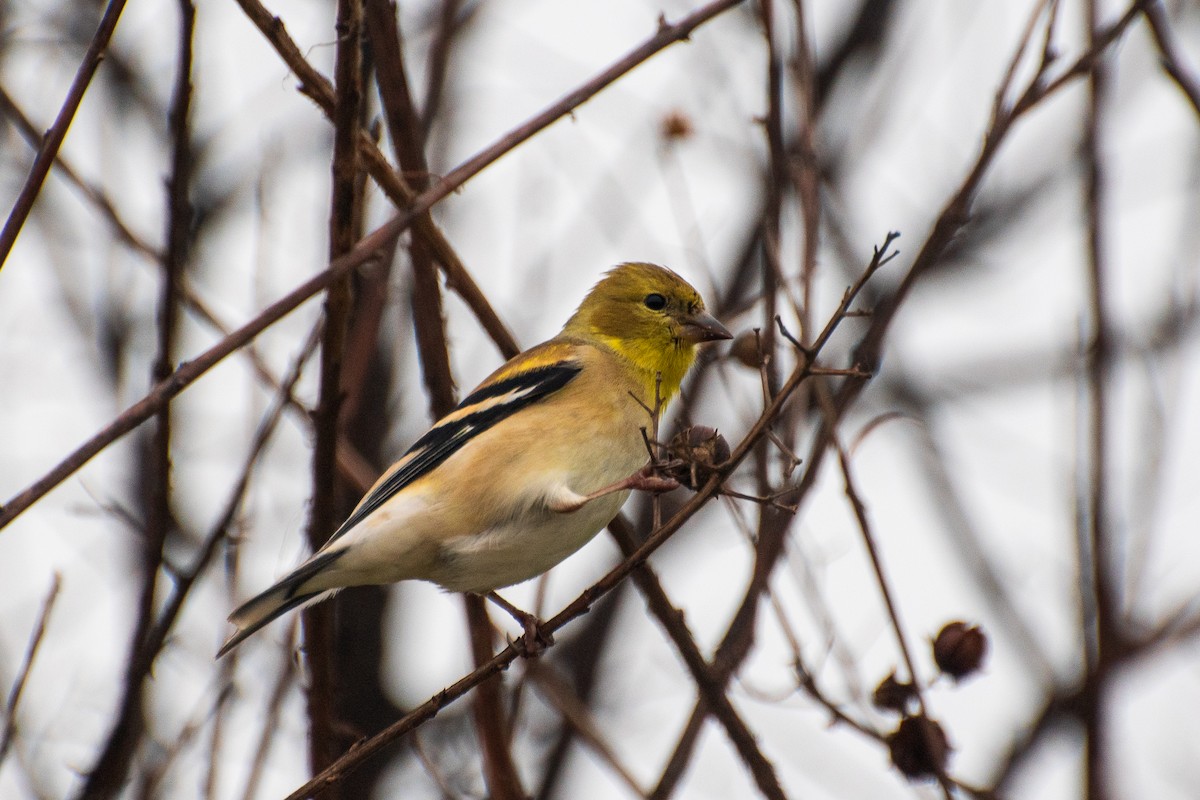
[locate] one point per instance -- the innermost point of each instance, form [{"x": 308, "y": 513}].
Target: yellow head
[{"x": 650, "y": 316}]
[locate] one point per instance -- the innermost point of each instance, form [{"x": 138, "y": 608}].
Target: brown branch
[
  {"x": 268, "y": 735},
  {"x": 491, "y": 717},
  {"x": 1098, "y": 575},
  {"x": 94, "y": 194},
  {"x": 345, "y": 210},
  {"x": 404, "y": 125},
  {"x": 710, "y": 682},
  {"x": 438, "y": 61},
  {"x": 189, "y": 372},
  {"x": 1164, "y": 37},
  {"x": 317, "y": 87},
  {"x": 58, "y": 131},
  {"x": 735, "y": 644},
  {"x": 558, "y": 693},
  {"x": 13, "y": 703},
  {"x": 580, "y": 606},
  {"x": 893, "y": 611},
  {"x": 116, "y": 754}
]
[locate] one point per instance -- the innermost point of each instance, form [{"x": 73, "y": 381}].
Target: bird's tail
[{"x": 287, "y": 594}]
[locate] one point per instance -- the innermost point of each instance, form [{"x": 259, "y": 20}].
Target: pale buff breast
[
  {"x": 579, "y": 442},
  {"x": 484, "y": 523}
]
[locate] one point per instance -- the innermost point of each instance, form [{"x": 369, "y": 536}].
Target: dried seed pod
[
  {"x": 893, "y": 695},
  {"x": 919, "y": 748},
  {"x": 959, "y": 649},
  {"x": 695, "y": 452},
  {"x": 744, "y": 348},
  {"x": 676, "y": 126}
]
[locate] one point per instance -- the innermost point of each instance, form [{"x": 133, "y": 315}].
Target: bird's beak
[{"x": 703, "y": 327}]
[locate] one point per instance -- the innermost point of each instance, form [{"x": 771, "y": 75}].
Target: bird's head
[{"x": 651, "y": 316}]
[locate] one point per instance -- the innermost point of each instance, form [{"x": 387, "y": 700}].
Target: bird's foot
[
  {"x": 644, "y": 480},
  {"x": 536, "y": 637}
]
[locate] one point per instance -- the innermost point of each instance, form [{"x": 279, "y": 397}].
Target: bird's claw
[
  {"x": 536, "y": 638},
  {"x": 647, "y": 480}
]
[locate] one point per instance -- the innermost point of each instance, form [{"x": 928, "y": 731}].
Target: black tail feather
[{"x": 287, "y": 594}]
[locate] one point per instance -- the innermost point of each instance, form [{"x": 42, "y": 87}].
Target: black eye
[{"x": 655, "y": 302}]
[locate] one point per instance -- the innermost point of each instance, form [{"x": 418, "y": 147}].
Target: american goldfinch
[{"x": 529, "y": 467}]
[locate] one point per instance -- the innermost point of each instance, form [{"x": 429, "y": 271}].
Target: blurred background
[{"x": 1026, "y": 451}]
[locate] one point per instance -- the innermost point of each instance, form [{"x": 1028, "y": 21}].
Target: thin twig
[
  {"x": 284, "y": 679},
  {"x": 111, "y": 768},
  {"x": 735, "y": 644},
  {"x": 438, "y": 60},
  {"x": 58, "y": 131},
  {"x": 555, "y": 689},
  {"x": 1164, "y": 37},
  {"x": 1098, "y": 577},
  {"x": 391, "y": 181},
  {"x": 710, "y": 682},
  {"x": 13, "y": 703},
  {"x": 868, "y": 537},
  {"x": 94, "y": 194},
  {"x": 345, "y": 215},
  {"x": 499, "y": 662},
  {"x": 190, "y": 371}
]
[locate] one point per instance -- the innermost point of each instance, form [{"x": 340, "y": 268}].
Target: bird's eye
[{"x": 655, "y": 302}]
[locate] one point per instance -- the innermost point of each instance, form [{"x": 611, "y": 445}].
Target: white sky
[{"x": 536, "y": 229}]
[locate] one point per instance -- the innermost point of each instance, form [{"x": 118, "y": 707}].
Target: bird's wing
[{"x": 505, "y": 393}]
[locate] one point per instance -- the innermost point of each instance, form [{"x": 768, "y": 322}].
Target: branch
[
  {"x": 580, "y": 606},
  {"x": 58, "y": 131},
  {"x": 1164, "y": 38},
  {"x": 362, "y": 252},
  {"x": 18, "y": 687},
  {"x": 190, "y": 371},
  {"x": 710, "y": 681},
  {"x": 111, "y": 769},
  {"x": 345, "y": 214}
]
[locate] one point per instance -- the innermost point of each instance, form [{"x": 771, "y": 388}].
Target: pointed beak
[{"x": 703, "y": 327}]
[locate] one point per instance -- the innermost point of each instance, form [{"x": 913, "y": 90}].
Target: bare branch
[{"x": 58, "y": 131}]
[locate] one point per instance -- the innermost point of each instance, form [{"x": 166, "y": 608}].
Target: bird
[{"x": 529, "y": 466}]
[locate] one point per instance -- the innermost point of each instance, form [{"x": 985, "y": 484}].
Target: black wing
[{"x": 444, "y": 439}]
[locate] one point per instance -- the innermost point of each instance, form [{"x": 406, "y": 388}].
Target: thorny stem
[
  {"x": 364, "y": 251},
  {"x": 868, "y": 537},
  {"x": 35, "y": 640},
  {"x": 58, "y": 131},
  {"x": 430, "y": 708}
]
